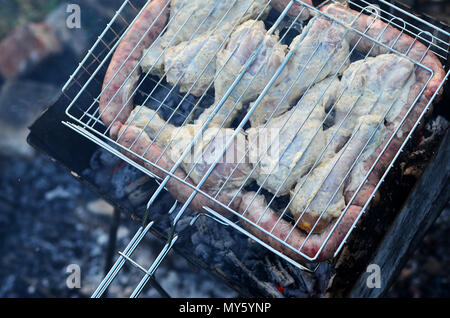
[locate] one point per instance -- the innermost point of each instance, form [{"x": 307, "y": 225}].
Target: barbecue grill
[{"x": 84, "y": 91}]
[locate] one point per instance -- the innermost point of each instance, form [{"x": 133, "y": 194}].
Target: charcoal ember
[
  {"x": 323, "y": 275},
  {"x": 172, "y": 105},
  {"x": 309, "y": 284},
  {"x": 253, "y": 254},
  {"x": 203, "y": 251},
  {"x": 258, "y": 286},
  {"x": 102, "y": 163},
  {"x": 27, "y": 46},
  {"x": 224, "y": 248},
  {"x": 184, "y": 224},
  {"x": 279, "y": 273},
  {"x": 138, "y": 191},
  {"x": 240, "y": 258},
  {"x": 103, "y": 158},
  {"x": 121, "y": 178},
  {"x": 304, "y": 283},
  {"x": 437, "y": 127},
  {"x": 210, "y": 241}
]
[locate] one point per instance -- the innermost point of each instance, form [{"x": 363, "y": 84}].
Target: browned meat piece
[
  {"x": 378, "y": 85},
  {"x": 190, "y": 19},
  {"x": 236, "y": 54},
  {"x": 282, "y": 232},
  {"x": 321, "y": 50},
  {"x": 420, "y": 92},
  {"x": 229, "y": 170},
  {"x": 375, "y": 86},
  {"x": 367, "y": 87},
  {"x": 319, "y": 197},
  {"x": 391, "y": 37},
  {"x": 206, "y": 18},
  {"x": 192, "y": 65},
  {"x": 288, "y": 146}
]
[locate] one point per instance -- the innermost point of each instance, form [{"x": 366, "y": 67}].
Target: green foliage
[{"x": 17, "y": 12}]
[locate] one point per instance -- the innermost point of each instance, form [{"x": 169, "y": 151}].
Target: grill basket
[{"x": 179, "y": 110}]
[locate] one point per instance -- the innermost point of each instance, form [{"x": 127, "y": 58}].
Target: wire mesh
[{"x": 270, "y": 215}]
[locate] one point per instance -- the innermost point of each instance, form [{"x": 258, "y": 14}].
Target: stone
[
  {"x": 21, "y": 102},
  {"x": 100, "y": 207},
  {"x": 27, "y": 46}
]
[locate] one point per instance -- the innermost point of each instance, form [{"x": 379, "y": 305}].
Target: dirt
[{"x": 49, "y": 221}]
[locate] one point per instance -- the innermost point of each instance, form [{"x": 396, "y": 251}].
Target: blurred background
[{"x": 49, "y": 220}]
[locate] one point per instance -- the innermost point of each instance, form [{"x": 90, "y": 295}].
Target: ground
[{"x": 48, "y": 220}]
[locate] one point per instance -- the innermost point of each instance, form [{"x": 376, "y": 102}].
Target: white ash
[{"x": 438, "y": 126}]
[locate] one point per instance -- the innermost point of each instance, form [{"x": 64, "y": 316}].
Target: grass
[{"x": 17, "y": 12}]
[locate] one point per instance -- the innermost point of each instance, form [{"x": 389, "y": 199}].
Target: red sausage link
[
  {"x": 127, "y": 55},
  {"x": 296, "y": 8}
]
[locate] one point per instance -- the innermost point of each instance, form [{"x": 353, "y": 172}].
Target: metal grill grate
[{"x": 273, "y": 225}]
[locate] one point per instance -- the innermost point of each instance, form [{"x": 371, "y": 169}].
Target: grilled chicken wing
[
  {"x": 191, "y": 65},
  {"x": 367, "y": 87},
  {"x": 190, "y": 19},
  {"x": 378, "y": 85},
  {"x": 296, "y": 139},
  {"x": 321, "y": 195},
  {"x": 373, "y": 89},
  {"x": 242, "y": 45},
  {"x": 322, "y": 49},
  {"x": 233, "y": 167}
]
